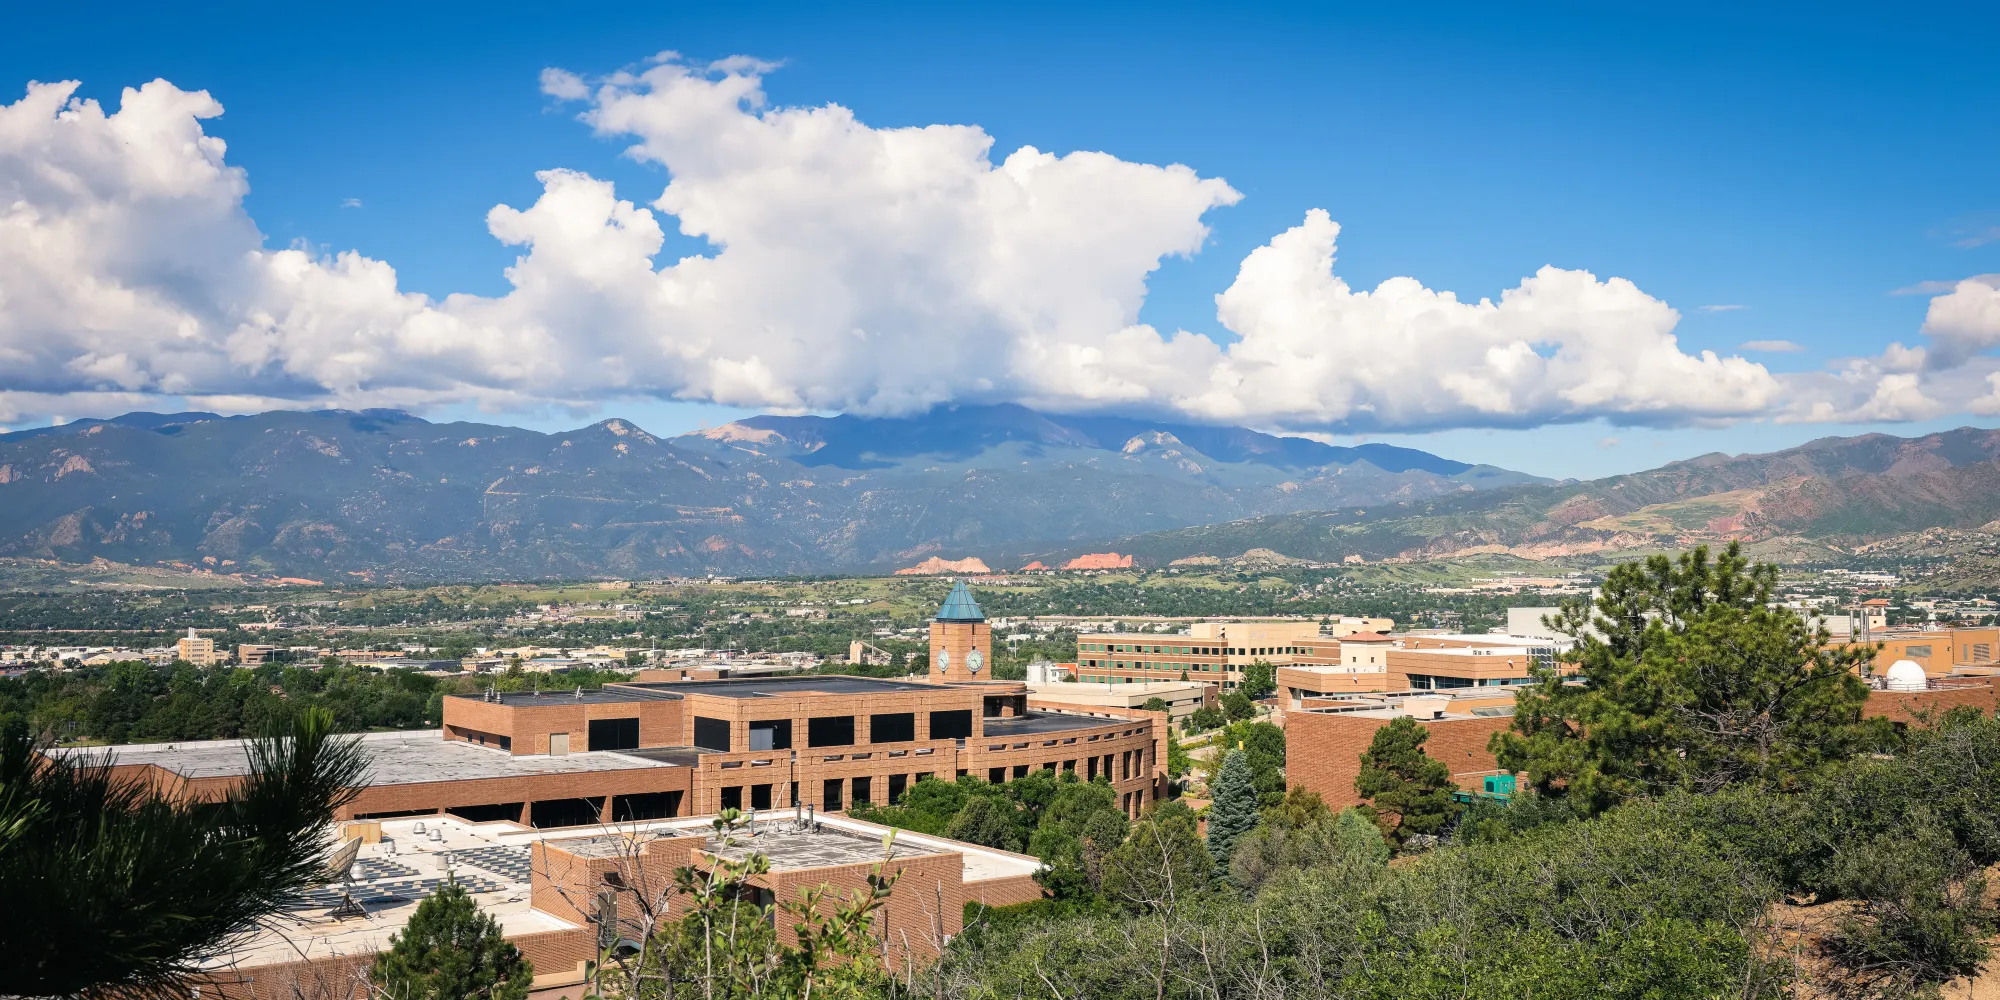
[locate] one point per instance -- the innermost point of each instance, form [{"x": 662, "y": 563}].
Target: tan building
[
  {"x": 249, "y": 655},
  {"x": 196, "y": 650},
  {"x": 1941, "y": 651},
  {"x": 1183, "y": 698},
  {"x": 1212, "y": 652}
]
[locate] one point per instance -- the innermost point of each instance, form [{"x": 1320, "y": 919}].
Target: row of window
[
  {"x": 1156, "y": 665},
  {"x": 828, "y": 730},
  {"x": 1126, "y": 647}
]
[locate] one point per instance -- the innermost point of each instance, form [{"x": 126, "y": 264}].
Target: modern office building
[{"x": 1214, "y": 652}]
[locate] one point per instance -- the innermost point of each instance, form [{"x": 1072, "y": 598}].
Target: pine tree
[
  {"x": 1411, "y": 792},
  {"x": 451, "y": 951},
  {"x": 1234, "y": 810}
]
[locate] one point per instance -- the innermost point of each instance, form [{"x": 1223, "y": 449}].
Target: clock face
[
  {"x": 973, "y": 661},
  {"x": 944, "y": 659}
]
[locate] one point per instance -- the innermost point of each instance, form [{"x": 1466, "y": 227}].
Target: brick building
[
  {"x": 1416, "y": 662},
  {"x": 1324, "y": 741},
  {"x": 649, "y": 750},
  {"x": 1940, "y": 651},
  {"x": 543, "y": 888}
]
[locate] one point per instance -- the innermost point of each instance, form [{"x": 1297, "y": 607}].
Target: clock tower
[{"x": 961, "y": 642}]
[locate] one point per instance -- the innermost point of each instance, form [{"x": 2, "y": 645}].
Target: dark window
[
  {"x": 1020, "y": 770},
  {"x": 645, "y": 805},
  {"x": 829, "y": 795},
  {"x": 614, "y": 734},
  {"x": 775, "y": 734},
  {"x": 401, "y": 813},
  {"x": 830, "y": 731},
  {"x": 507, "y": 811},
  {"x": 896, "y": 727},
  {"x": 732, "y": 797},
  {"x": 897, "y": 783},
  {"x": 862, "y": 791},
  {"x": 563, "y": 812},
  {"x": 760, "y": 796},
  {"x": 711, "y": 734},
  {"x": 951, "y": 725},
  {"x": 996, "y": 775},
  {"x": 1090, "y": 773}
]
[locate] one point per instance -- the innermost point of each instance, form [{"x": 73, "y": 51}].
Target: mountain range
[
  {"x": 384, "y": 495},
  {"x": 1820, "y": 501}
]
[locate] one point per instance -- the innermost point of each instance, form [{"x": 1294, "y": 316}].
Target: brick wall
[
  {"x": 1909, "y": 707},
  {"x": 1323, "y": 752},
  {"x": 530, "y": 725}
]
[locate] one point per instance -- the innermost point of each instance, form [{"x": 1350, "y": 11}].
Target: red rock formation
[
  {"x": 1099, "y": 560},
  {"x": 935, "y": 565}
]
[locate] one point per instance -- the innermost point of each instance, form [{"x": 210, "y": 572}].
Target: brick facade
[{"x": 1323, "y": 751}]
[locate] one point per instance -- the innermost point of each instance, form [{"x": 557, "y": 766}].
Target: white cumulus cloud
[
  {"x": 848, "y": 268},
  {"x": 1562, "y": 345}
]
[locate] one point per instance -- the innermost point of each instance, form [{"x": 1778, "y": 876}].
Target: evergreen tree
[
  {"x": 134, "y": 891},
  {"x": 1155, "y": 704},
  {"x": 1410, "y": 792},
  {"x": 1691, "y": 679},
  {"x": 1234, "y": 810},
  {"x": 451, "y": 951}
]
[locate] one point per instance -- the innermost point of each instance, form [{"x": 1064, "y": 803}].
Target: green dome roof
[{"x": 960, "y": 607}]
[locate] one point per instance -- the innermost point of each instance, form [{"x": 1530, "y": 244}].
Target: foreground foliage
[
  {"x": 112, "y": 889},
  {"x": 451, "y": 951}
]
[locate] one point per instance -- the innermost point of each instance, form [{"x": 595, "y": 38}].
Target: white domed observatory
[{"x": 1905, "y": 675}]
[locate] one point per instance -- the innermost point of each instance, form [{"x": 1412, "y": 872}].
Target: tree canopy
[
  {"x": 1689, "y": 678},
  {"x": 451, "y": 951},
  {"x": 1410, "y": 793},
  {"x": 115, "y": 889}
]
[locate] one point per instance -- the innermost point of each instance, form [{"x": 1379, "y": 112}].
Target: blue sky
[{"x": 1797, "y": 164}]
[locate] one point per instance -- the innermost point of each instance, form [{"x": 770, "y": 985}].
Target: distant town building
[
  {"x": 1214, "y": 652},
  {"x": 196, "y": 650}
]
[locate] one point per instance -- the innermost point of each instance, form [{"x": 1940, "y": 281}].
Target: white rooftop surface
[
  {"x": 847, "y": 841},
  {"x": 399, "y": 758},
  {"x": 392, "y": 877},
  {"x": 491, "y": 860},
  {"x": 1482, "y": 652}
]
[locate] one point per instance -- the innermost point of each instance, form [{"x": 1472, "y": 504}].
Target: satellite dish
[
  {"x": 340, "y": 868},
  {"x": 342, "y": 862}
]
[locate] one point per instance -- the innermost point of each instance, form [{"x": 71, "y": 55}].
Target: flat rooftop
[
  {"x": 1035, "y": 723},
  {"x": 402, "y": 758},
  {"x": 494, "y": 862},
  {"x": 588, "y": 696},
  {"x": 790, "y": 848},
  {"x": 774, "y": 687}
]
